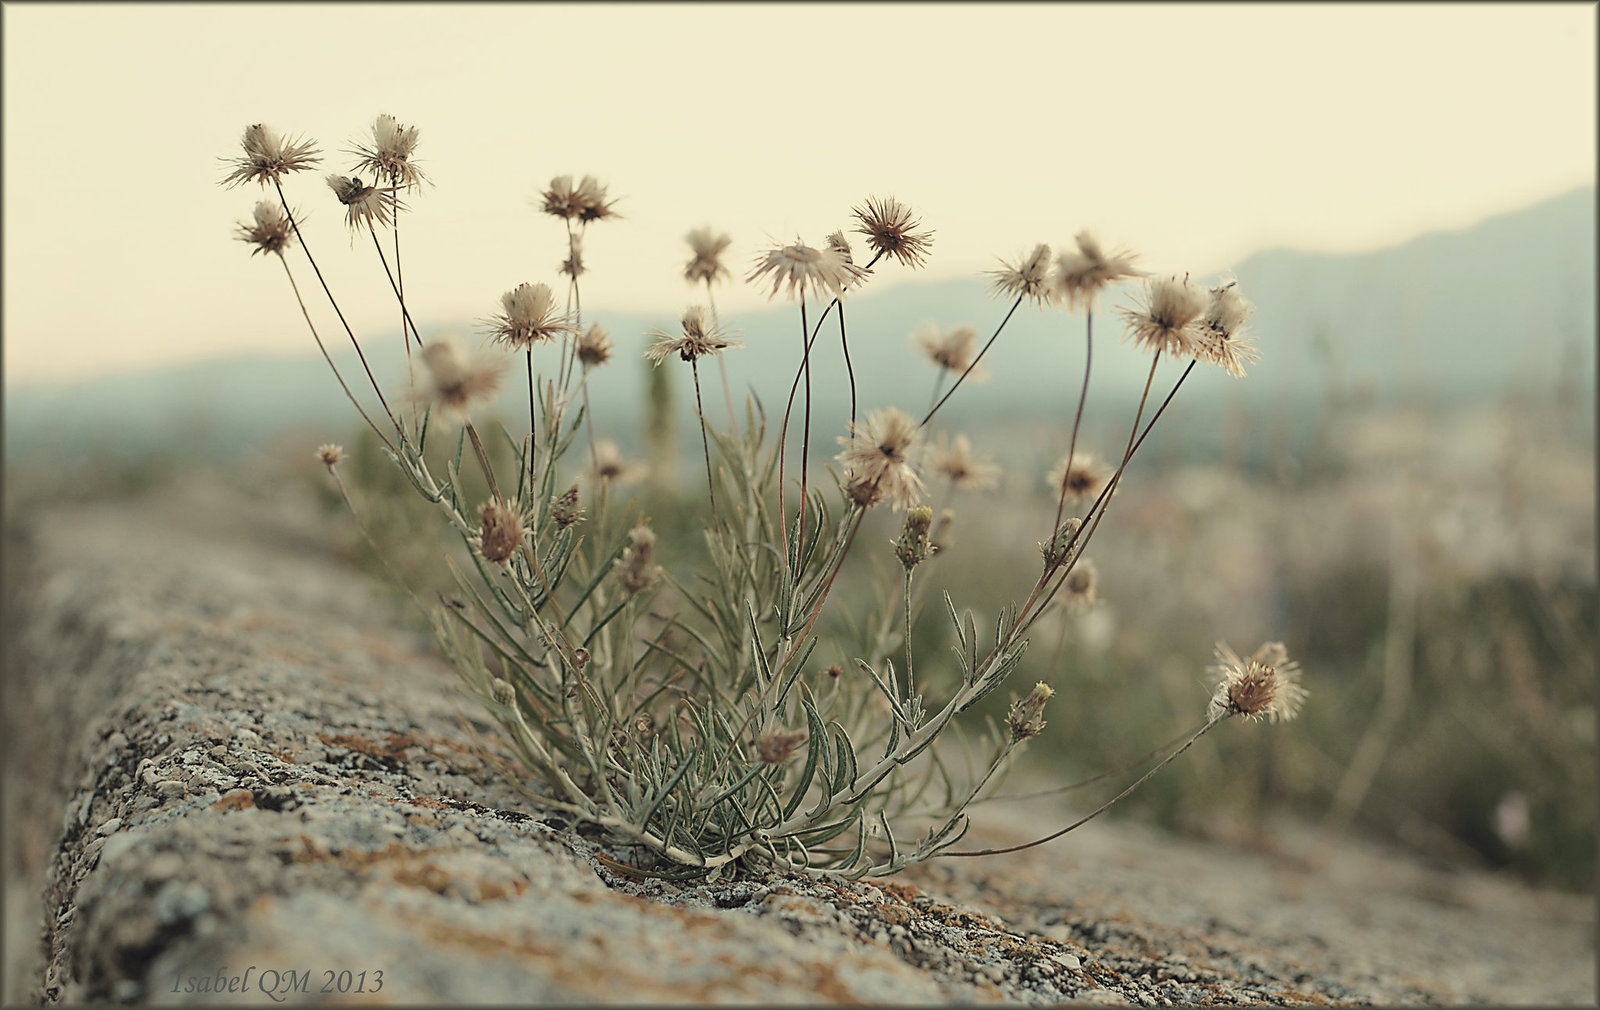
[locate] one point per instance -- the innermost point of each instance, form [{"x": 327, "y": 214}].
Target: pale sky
[{"x": 1194, "y": 134}]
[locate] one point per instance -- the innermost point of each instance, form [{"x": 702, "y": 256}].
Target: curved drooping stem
[
  {"x": 337, "y": 311},
  {"x": 974, "y": 364},
  {"x": 1102, "y": 808}
]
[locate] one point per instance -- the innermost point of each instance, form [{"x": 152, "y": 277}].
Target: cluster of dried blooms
[{"x": 880, "y": 457}]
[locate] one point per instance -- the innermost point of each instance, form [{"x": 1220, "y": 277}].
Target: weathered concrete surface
[{"x": 233, "y": 759}]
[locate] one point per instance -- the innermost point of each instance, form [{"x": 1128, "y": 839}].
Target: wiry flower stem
[
  {"x": 849, "y": 371},
  {"x": 314, "y": 336},
  {"x": 699, "y": 406},
  {"x": 1072, "y": 445},
  {"x": 722, "y": 366},
  {"x": 975, "y": 361},
  {"x": 805, "y": 435},
  {"x": 334, "y": 302},
  {"x": 1102, "y": 808}
]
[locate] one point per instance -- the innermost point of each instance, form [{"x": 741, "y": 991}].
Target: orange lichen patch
[
  {"x": 235, "y": 799},
  {"x": 895, "y": 915},
  {"x": 428, "y": 876},
  {"x": 491, "y": 890},
  {"x": 904, "y": 892},
  {"x": 286, "y": 755},
  {"x": 429, "y": 802}
]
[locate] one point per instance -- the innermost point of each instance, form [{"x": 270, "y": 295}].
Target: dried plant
[{"x": 729, "y": 720}]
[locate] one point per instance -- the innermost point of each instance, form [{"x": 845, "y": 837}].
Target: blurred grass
[{"x": 1433, "y": 571}]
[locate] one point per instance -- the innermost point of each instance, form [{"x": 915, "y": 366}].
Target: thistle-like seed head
[
  {"x": 706, "y": 267},
  {"x": 637, "y": 570},
  {"x": 270, "y": 231},
  {"x": 915, "y": 545},
  {"x": 891, "y": 230},
  {"x": 566, "y": 510},
  {"x": 500, "y": 532},
  {"x": 1026, "y": 717},
  {"x": 1056, "y": 551},
  {"x": 330, "y": 455},
  {"x": 1256, "y": 689},
  {"x": 877, "y": 460},
  {"x": 268, "y": 157},
  {"x": 1028, "y": 277}
]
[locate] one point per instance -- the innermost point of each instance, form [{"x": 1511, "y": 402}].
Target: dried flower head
[
  {"x": 637, "y": 571},
  {"x": 839, "y": 244},
  {"x": 1082, "y": 273},
  {"x": 592, "y": 202},
  {"x": 560, "y": 199},
  {"x": 1081, "y": 585},
  {"x": 529, "y": 317},
  {"x": 805, "y": 270},
  {"x": 700, "y": 337},
  {"x": 271, "y": 231},
  {"x": 610, "y": 466},
  {"x": 707, "y": 265},
  {"x": 330, "y": 455},
  {"x": 1164, "y": 320},
  {"x": 455, "y": 383},
  {"x": 1029, "y": 277},
  {"x": 1221, "y": 327},
  {"x": 777, "y": 745},
  {"x": 1254, "y": 688},
  {"x": 1083, "y": 475},
  {"x": 915, "y": 546},
  {"x": 500, "y": 531},
  {"x": 877, "y": 460},
  {"x": 362, "y": 203},
  {"x": 389, "y": 156},
  {"x": 954, "y": 350},
  {"x": 269, "y": 157},
  {"x": 955, "y": 460},
  {"x": 566, "y": 509},
  {"x": 891, "y": 230},
  {"x": 594, "y": 346},
  {"x": 1026, "y": 717},
  {"x": 1055, "y": 551},
  {"x": 585, "y": 201}
]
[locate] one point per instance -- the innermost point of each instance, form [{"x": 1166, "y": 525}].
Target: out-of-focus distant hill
[{"x": 1504, "y": 306}]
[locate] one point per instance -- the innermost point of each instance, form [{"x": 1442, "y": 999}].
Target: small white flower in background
[
  {"x": 456, "y": 383},
  {"x": 706, "y": 266},
  {"x": 954, "y": 350},
  {"x": 1082, "y": 273},
  {"x": 270, "y": 231},
  {"x": 877, "y": 460}
]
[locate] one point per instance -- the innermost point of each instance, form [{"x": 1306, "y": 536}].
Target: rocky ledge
[{"x": 234, "y": 775}]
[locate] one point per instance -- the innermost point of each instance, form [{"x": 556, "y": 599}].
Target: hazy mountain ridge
[{"x": 1506, "y": 303}]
